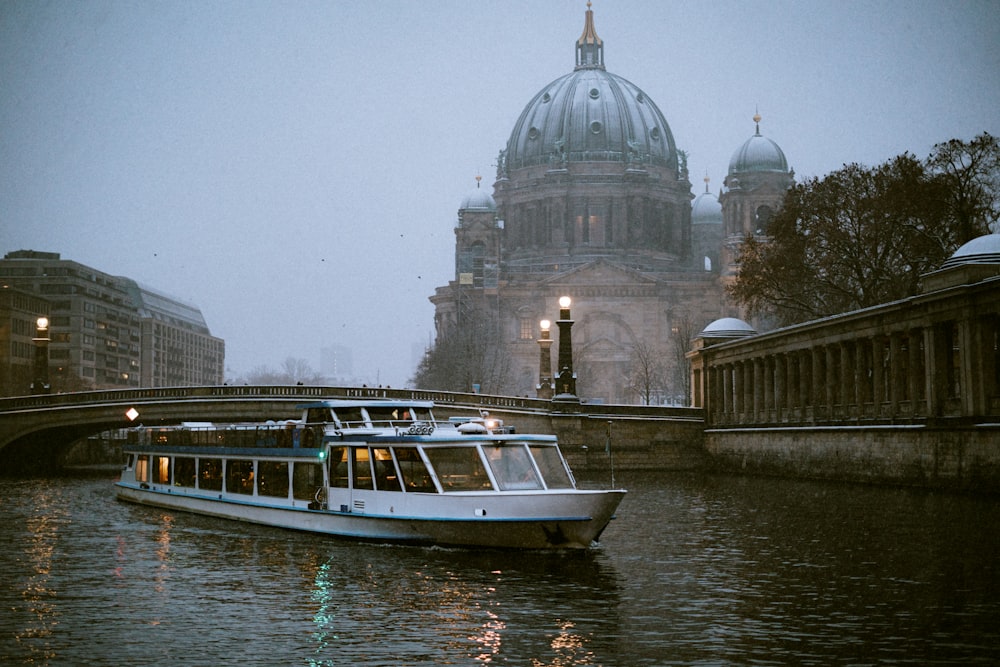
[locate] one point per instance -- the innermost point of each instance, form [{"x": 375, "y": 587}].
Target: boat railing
[{"x": 270, "y": 436}]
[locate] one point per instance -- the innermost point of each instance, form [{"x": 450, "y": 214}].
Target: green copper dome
[
  {"x": 758, "y": 153},
  {"x": 590, "y": 115}
]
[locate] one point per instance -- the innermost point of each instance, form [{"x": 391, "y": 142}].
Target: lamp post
[
  {"x": 544, "y": 388},
  {"x": 566, "y": 384},
  {"x": 40, "y": 385}
]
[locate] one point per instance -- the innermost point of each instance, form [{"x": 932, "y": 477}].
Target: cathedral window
[{"x": 527, "y": 329}]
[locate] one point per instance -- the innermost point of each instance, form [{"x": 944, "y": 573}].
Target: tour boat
[{"x": 372, "y": 469}]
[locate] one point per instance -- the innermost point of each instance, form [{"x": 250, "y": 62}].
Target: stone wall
[
  {"x": 637, "y": 442},
  {"x": 953, "y": 459}
]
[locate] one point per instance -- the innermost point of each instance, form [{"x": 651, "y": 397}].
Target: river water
[{"x": 696, "y": 570}]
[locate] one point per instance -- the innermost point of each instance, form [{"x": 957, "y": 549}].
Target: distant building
[
  {"x": 106, "y": 331},
  {"x": 19, "y": 310},
  {"x": 592, "y": 200},
  {"x": 336, "y": 363}
]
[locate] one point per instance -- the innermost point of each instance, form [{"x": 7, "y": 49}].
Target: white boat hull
[{"x": 534, "y": 520}]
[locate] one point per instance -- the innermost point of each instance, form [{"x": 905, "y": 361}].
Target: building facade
[
  {"x": 929, "y": 356},
  {"x": 104, "y": 331},
  {"x": 592, "y": 200},
  {"x": 906, "y": 392}
]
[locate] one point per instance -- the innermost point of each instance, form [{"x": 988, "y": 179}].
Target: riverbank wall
[{"x": 946, "y": 458}]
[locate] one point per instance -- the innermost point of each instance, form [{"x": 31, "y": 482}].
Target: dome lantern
[{"x": 589, "y": 48}]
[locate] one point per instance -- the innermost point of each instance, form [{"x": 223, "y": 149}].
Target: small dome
[
  {"x": 478, "y": 200},
  {"x": 706, "y": 209},
  {"x": 981, "y": 250},
  {"x": 727, "y": 327},
  {"x": 758, "y": 153}
]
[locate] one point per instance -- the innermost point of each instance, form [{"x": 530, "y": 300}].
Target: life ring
[{"x": 320, "y": 497}]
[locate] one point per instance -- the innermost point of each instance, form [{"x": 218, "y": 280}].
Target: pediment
[
  {"x": 605, "y": 348},
  {"x": 600, "y": 272}
]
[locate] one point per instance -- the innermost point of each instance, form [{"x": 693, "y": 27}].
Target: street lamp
[
  {"x": 40, "y": 385},
  {"x": 544, "y": 388},
  {"x": 566, "y": 384}
]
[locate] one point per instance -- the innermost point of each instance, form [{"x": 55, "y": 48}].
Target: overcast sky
[{"x": 295, "y": 168}]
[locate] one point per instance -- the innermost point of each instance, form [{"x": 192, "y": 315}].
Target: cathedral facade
[{"x": 592, "y": 200}]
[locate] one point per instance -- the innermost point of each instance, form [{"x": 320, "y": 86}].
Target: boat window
[
  {"x": 142, "y": 469},
  {"x": 205, "y": 437},
  {"x": 350, "y": 417},
  {"x": 553, "y": 469},
  {"x": 239, "y": 476},
  {"x": 272, "y": 478},
  {"x": 416, "y": 478},
  {"x": 385, "y": 472},
  {"x": 389, "y": 416},
  {"x": 306, "y": 479},
  {"x": 459, "y": 468},
  {"x": 161, "y": 470},
  {"x": 512, "y": 467},
  {"x": 318, "y": 415},
  {"x": 422, "y": 414},
  {"x": 288, "y": 435},
  {"x": 210, "y": 474},
  {"x": 338, "y": 467},
  {"x": 361, "y": 469},
  {"x": 184, "y": 471}
]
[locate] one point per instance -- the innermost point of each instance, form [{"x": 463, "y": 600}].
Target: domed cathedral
[
  {"x": 592, "y": 200},
  {"x": 754, "y": 189},
  {"x": 591, "y": 170}
]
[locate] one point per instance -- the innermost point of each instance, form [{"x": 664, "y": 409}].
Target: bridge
[{"x": 37, "y": 431}]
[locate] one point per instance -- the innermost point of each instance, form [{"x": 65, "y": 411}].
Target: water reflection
[
  {"x": 695, "y": 570},
  {"x": 422, "y": 604},
  {"x": 43, "y": 517}
]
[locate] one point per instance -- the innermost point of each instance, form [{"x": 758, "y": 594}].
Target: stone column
[
  {"x": 779, "y": 385},
  {"x": 878, "y": 375},
  {"x": 897, "y": 377},
  {"x": 917, "y": 382},
  {"x": 767, "y": 366},
  {"x": 807, "y": 366},
  {"x": 829, "y": 379},
  {"x": 727, "y": 390},
  {"x": 737, "y": 390},
  {"x": 758, "y": 390},
  {"x": 848, "y": 382}
]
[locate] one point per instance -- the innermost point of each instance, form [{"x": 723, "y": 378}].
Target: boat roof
[{"x": 366, "y": 402}]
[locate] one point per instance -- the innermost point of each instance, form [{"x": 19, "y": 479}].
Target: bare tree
[
  {"x": 468, "y": 355},
  {"x": 647, "y": 372},
  {"x": 292, "y": 371},
  {"x": 682, "y": 331}
]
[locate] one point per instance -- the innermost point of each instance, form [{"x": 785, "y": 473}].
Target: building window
[{"x": 527, "y": 329}]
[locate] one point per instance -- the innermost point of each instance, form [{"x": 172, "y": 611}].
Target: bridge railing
[{"x": 307, "y": 393}]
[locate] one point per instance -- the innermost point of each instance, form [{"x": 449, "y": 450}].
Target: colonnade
[{"x": 826, "y": 374}]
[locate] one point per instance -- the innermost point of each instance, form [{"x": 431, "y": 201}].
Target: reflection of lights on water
[
  {"x": 163, "y": 554},
  {"x": 322, "y": 595},
  {"x": 489, "y": 637},
  {"x": 43, "y": 528},
  {"x": 569, "y": 648}
]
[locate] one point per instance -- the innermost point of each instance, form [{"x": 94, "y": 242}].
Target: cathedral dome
[
  {"x": 757, "y": 154},
  {"x": 590, "y": 115},
  {"x": 706, "y": 209},
  {"x": 478, "y": 200}
]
